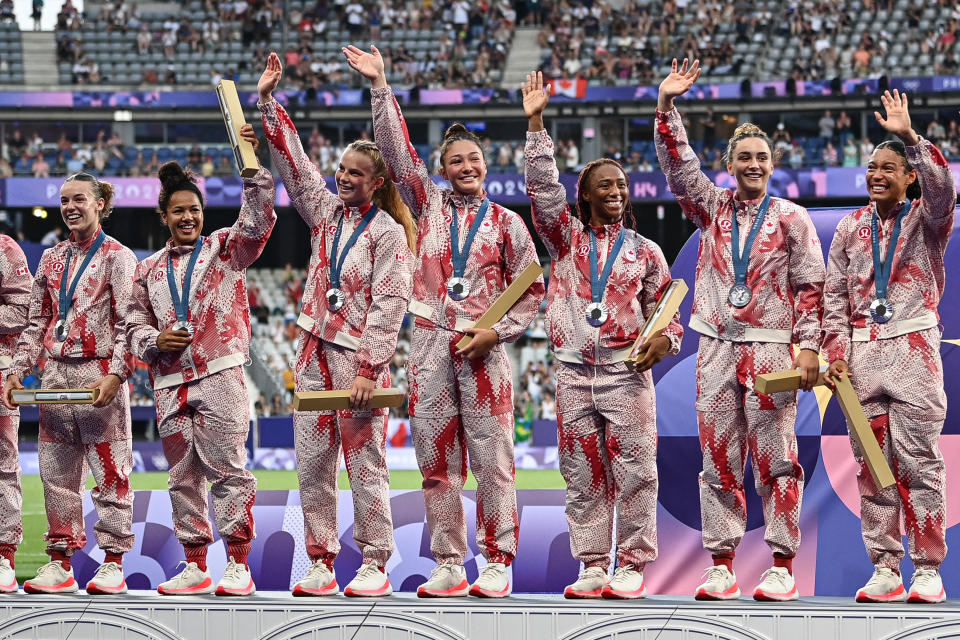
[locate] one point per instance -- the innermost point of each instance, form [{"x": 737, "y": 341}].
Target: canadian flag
[{"x": 571, "y": 88}]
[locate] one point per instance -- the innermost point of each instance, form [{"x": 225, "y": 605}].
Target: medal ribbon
[
  {"x": 337, "y": 264},
  {"x": 599, "y": 283},
  {"x": 66, "y": 297},
  {"x": 742, "y": 259},
  {"x": 881, "y": 270},
  {"x": 182, "y": 304},
  {"x": 459, "y": 257}
]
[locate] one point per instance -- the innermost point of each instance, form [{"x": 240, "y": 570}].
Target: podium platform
[{"x": 280, "y": 616}]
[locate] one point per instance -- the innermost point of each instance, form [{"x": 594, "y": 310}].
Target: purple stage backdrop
[
  {"x": 831, "y": 561},
  {"x": 506, "y": 188}
]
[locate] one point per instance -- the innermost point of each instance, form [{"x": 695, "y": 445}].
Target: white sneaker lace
[
  {"x": 435, "y": 573},
  {"x": 716, "y": 573},
  {"x": 234, "y": 571},
  {"x": 46, "y": 568},
  {"x": 106, "y": 571},
  {"x": 623, "y": 571},
  {"x": 779, "y": 577},
  {"x": 492, "y": 571},
  {"x": 591, "y": 572},
  {"x": 181, "y": 576},
  {"x": 368, "y": 570},
  {"x": 316, "y": 571},
  {"x": 880, "y": 575},
  {"x": 924, "y": 578}
]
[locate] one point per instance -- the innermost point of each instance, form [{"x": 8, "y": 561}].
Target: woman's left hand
[
  {"x": 248, "y": 134},
  {"x": 108, "y": 385},
  {"x": 484, "y": 340},
  {"x": 361, "y": 391}
]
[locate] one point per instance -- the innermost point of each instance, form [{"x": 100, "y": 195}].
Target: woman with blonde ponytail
[
  {"x": 76, "y": 322},
  {"x": 358, "y": 285},
  {"x": 749, "y": 307}
]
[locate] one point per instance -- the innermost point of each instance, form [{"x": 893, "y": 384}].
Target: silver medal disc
[
  {"x": 740, "y": 295},
  {"x": 183, "y": 326},
  {"x": 458, "y": 288},
  {"x": 881, "y": 310},
  {"x": 60, "y": 330},
  {"x": 335, "y": 299},
  {"x": 597, "y": 314}
]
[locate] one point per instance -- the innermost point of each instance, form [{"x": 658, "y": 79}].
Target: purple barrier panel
[
  {"x": 544, "y": 433},
  {"x": 275, "y": 431}
]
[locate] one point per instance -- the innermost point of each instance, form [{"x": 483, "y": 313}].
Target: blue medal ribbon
[
  {"x": 881, "y": 270},
  {"x": 337, "y": 259},
  {"x": 459, "y": 257},
  {"x": 598, "y": 283},
  {"x": 66, "y": 297},
  {"x": 742, "y": 259},
  {"x": 182, "y": 304}
]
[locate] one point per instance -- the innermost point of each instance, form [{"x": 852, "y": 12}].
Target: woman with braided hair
[
  {"x": 749, "y": 307},
  {"x": 189, "y": 320},
  {"x": 605, "y": 282},
  {"x": 358, "y": 286},
  {"x": 461, "y": 400}
]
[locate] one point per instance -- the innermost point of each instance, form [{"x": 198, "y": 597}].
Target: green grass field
[{"x": 31, "y": 554}]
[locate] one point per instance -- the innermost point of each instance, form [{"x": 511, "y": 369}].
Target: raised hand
[
  {"x": 369, "y": 65},
  {"x": 897, "y": 121},
  {"x": 535, "y": 95},
  {"x": 270, "y": 78},
  {"x": 677, "y": 83}
]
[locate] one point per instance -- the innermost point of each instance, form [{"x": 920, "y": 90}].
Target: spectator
[
  {"x": 40, "y": 168},
  {"x": 37, "y": 14},
  {"x": 935, "y": 131},
  {"x": 851, "y": 155},
  {"x": 6, "y": 171},
  {"x": 144, "y": 39},
  {"x": 830, "y": 155},
  {"x": 52, "y": 237},
  {"x": 826, "y": 125}
]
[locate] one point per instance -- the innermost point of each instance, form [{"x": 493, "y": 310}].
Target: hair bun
[
  {"x": 171, "y": 174},
  {"x": 748, "y": 128},
  {"x": 456, "y": 130}
]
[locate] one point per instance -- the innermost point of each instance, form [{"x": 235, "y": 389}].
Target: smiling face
[
  {"x": 751, "y": 163},
  {"x": 80, "y": 210},
  {"x": 184, "y": 217},
  {"x": 888, "y": 178},
  {"x": 464, "y": 167},
  {"x": 357, "y": 179},
  {"x": 607, "y": 193}
]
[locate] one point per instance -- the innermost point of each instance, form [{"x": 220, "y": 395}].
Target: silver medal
[
  {"x": 597, "y": 314},
  {"x": 335, "y": 299},
  {"x": 458, "y": 288},
  {"x": 881, "y": 310},
  {"x": 60, "y": 330},
  {"x": 183, "y": 326},
  {"x": 740, "y": 295}
]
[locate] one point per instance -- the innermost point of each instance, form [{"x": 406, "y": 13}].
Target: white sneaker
[
  {"x": 589, "y": 584},
  {"x": 191, "y": 581},
  {"x": 370, "y": 582},
  {"x": 493, "y": 582},
  {"x": 319, "y": 581},
  {"x": 108, "y": 580},
  {"x": 885, "y": 585},
  {"x": 8, "y": 577},
  {"x": 721, "y": 584},
  {"x": 446, "y": 581},
  {"x": 627, "y": 584},
  {"x": 776, "y": 584},
  {"x": 236, "y": 580},
  {"x": 52, "y": 578},
  {"x": 925, "y": 586}
]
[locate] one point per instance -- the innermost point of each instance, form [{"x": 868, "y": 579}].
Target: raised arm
[
  {"x": 303, "y": 180},
  {"x": 407, "y": 170},
  {"x": 551, "y": 214},
  {"x": 248, "y": 235},
  {"x": 15, "y": 284},
  {"x": 697, "y": 195},
  {"x": 390, "y": 291}
]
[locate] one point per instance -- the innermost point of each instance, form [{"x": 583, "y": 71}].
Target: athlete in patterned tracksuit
[
  {"x": 460, "y": 401},
  {"x": 895, "y": 365},
  {"x": 785, "y": 274},
  {"x": 607, "y": 412},
  {"x": 91, "y": 351},
  {"x": 345, "y": 347},
  {"x": 14, "y": 310},
  {"x": 203, "y": 412}
]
